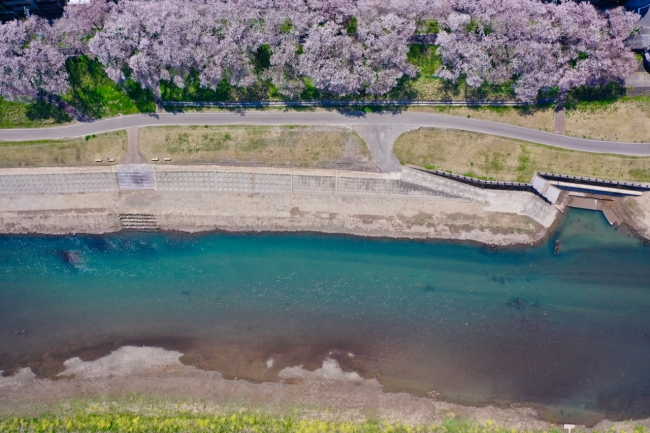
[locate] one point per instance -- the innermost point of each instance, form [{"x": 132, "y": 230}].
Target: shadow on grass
[
  {"x": 591, "y": 98},
  {"x": 96, "y": 95},
  {"x": 39, "y": 111},
  {"x": 142, "y": 98}
]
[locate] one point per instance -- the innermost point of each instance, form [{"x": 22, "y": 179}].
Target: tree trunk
[
  {"x": 62, "y": 105},
  {"x": 561, "y": 100}
]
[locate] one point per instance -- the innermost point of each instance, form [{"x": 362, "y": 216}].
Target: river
[{"x": 569, "y": 332}]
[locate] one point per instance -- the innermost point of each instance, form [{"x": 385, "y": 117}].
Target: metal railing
[{"x": 354, "y": 103}]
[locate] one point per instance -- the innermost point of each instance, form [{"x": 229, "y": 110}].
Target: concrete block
[
  {"x": 272, "y": 183},
  {"x": 319, "y": 185},
  {"x": 234, "y": 182},
  {"x": 185, "y": 181},
  {"x": 63, "y": 183}
]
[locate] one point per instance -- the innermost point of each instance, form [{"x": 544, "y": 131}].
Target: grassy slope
[
  {"x": 74, "y": 152},
  {"x": 91, "y": 91},
  {"x": 495, "y": 158},
  {"x": 95, "y": 94}
]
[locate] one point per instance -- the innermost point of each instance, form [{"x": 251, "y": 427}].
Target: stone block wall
[
  {"x": 320, "y": 185},
  {"x": 185, "y": 181},
  {"x": 58, "y": 183},
  {"x": 143, "y": 177}
]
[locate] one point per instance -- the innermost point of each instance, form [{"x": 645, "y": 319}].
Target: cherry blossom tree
[
  {"x": 385, "y": 40},
  {"x": 538, "y": 45},
  {"x": 80, "y": 22},
  {"x": 343, "y": 47},
  {"x": 167, "y": 40},
  {"x": 30, "y": 67}
]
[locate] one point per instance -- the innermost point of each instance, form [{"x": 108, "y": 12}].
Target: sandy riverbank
[
  {"x": 414, "y": 218},
  {"x": 153, "y": 381}
]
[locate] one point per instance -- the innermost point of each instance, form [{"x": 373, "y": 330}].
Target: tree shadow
[
  {"x": 141, "y": 97},
  {"x": 596, "y": 96},
  {"x": 37, "y": 111}
]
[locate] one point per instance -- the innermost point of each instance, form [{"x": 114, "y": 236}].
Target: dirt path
[{"x": 132, "y": 154}]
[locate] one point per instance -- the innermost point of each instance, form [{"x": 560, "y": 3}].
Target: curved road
[{"x": 379, "y": 130}]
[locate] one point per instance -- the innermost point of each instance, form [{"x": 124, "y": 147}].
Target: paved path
[
  {"x": 559, "y": 120},
  {"x": 379, "y": 130},
  {"x": 132, "y": 154}
]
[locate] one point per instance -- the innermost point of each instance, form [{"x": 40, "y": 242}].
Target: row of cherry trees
[
  {"x": 343, "y": 47},
  {"x": 540, "y": 45}
]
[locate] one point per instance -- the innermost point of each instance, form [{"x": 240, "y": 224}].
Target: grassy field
[
  {"x": 74, "y": 152},
  {"x": 32, "y": 115},
  {"x": 288, "y": 146},
  {"x": 494, "y": 158}
]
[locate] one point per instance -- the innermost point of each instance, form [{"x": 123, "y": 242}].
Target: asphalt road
[{"x": 379, "y": 130}]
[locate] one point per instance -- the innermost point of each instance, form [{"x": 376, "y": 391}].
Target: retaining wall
[
  {"x": 58, "y": 183},
  {"x": 145, "y": 177},
  {"x": 266, "y": 183}
]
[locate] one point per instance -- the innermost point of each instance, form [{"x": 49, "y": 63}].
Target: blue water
[{"x": 568, "y": 332}]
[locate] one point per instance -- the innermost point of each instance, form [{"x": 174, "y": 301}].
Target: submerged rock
[
  {"x": 522, "y": 304},
  {"x": 69, "y": 257}
]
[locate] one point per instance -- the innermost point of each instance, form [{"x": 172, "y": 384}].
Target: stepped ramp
[
  {"x": 140, "y": 222},
  {"x": 135, "y": 177}
]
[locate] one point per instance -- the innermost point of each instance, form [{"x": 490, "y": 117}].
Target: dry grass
[
  {"x": 74, "y": 152},
  {"x": 491, "y": 157},
  {"x": 294, "y": 146},
  {"x": 533, "y": 118},
  {"x": 621, "y": 121}
]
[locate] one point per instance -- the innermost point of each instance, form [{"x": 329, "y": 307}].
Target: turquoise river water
[{"x": 567, "y": 332}]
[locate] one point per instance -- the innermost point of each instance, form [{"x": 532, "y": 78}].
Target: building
[
  {"x": 641, "y": 40},
  {"x": 11, "y": 9}
]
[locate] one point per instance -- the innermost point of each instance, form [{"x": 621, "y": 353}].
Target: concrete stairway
[
  {"x": 143, "y": 222},
  {"x": 130, "y": 181},
  {"x": 133, "y": 177}
]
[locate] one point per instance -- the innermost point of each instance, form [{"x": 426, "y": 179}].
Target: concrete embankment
[{"x": 410, "y": 204}]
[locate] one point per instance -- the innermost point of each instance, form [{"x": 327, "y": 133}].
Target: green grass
[
  {"x": 593, "y": 98},
  {"x": 31, "y": 115},
  {"x": 98, "y": 96},
  {"x": 91, "y": 92},
  {"x": 240, "y": 422},
  {"x": 192, "y": 91},
  {"x": 425, "y": 58}
]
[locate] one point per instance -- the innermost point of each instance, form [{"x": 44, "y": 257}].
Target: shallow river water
[{"x": 569, "y": 332}]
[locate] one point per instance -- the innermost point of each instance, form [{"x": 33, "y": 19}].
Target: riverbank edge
[
  {"x": 206, "y": 212},
  {"x": 410, "y": 205},
  {"x": 152, "y": 382}
]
